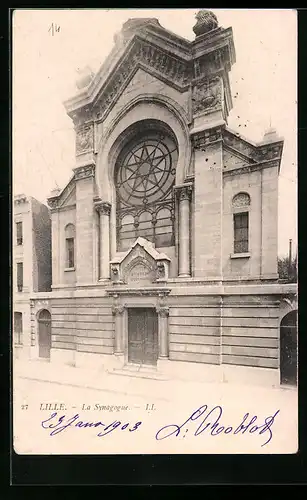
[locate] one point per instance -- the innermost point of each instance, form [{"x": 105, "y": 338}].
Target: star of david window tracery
[{"x": 144, "y": 178}]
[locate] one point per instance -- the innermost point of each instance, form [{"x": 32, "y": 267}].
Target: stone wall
[
  {"x": 23, "y": 350},
  {"x": 250, "y": 267},
  {"x": 233, "y": 330},
  {"x": 83, "y": 324},
  {"x": 194, "y": 329},
  {"x": 60, "y": 220},
  {"x": 84, "y": 230},
  {"x": 250, "y": 332},
  {"x": 207, "y": 212},
  {"x": 23, "y": 253},
  {"x": 269, "y": 208},
  {"x": 41, "y": 224}
]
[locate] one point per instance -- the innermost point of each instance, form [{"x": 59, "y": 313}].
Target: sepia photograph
[{"x": 154, "y": 231}]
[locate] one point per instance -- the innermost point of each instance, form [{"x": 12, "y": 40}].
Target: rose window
[{"x": 144, "y": 177}]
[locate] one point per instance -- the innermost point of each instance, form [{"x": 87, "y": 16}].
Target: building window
[
  {"x": 19, "y": 233},
  {"x": 70, "y": 246},
  {"x": 70, "y": 252},
  {"x": 240, "y": 232},
  {"x": 144, "y": 179},
  {"x": 240, "y": 208},
  {"x": 18, "y": 328},
  {"x": 19, "y": 276}
]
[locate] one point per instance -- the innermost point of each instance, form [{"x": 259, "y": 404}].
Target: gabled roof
[
  {"x": 146, "y": 245},
  {"x": 251, "y": 153},
  {"x": 59, "y": 196}
]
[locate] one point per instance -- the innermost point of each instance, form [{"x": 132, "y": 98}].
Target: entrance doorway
[
  {"x": 142, "y": 336},
  {"x": 288, "y": 349},
  {"x": 44, "y": 334}
]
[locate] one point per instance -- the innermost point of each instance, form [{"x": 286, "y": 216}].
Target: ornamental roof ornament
[
  {"x": 20, "y": 198},
  {"x": 206, "y": 21},
  {"x": 84, "y": 78},
  {"x": 270, "y": 135}
]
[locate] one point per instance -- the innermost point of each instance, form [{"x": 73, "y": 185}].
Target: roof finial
[
  {"x": 206, "y": 21},
  {"x": 270, "y": 134},
  {"x": 85, "y": 76}
]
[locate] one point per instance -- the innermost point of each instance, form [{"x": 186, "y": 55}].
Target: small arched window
[
  {"x": 70, "y": 246},
  {"x": 240, "y": 209}
]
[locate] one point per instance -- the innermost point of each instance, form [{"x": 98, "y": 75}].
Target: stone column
[
  {"x": 184, "y": 231},
  {"x": 117, "y": 311},
  {"x": 104, "y": 209},
  {"x": 163, "y": 313}
]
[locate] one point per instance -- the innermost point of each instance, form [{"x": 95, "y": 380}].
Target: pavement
[
  {"x": 133, "y": 385},
  {"x": 86, "y": 378}
]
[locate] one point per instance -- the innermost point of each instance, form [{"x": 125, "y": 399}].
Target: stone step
[
  {"x": 140, "y": 373},
  {"x": 136, "y": 368}
]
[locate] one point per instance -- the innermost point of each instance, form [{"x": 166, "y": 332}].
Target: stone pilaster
[
  {"x": 208, "y": 206},
  {"x": 184, "y": 200},
  {"x": 269, "y": 221},
  {"x": 163, "y": 313},
  {"x": 117, "y": 312},
  {"x": 84, "y": 177},
  {"x": 104, "y": 209}
]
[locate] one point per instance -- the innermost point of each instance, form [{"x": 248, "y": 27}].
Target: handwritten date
[{"x": 59, "y": 424}]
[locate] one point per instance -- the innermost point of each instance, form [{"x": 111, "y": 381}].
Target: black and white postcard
[{"x": 154, "y": 223}]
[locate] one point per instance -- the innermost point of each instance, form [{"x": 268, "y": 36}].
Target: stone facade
[
  {"x": 32, "y": 249},
  {"x": 218, "y": 310}
]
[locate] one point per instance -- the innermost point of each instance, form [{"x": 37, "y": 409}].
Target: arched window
[
  {"x": 144, "y": 179},
  {"x": 70, "y": 246},
  {"x": 240, "y": 208}
]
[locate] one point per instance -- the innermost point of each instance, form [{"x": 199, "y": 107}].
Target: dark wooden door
[
  {"x": 288, "y": 349},
  {"x": 44, "y": 334},
  {"x": 142, "y": 336}
]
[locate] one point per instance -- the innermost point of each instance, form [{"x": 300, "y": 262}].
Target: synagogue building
[{"x": 164, "y": 240}]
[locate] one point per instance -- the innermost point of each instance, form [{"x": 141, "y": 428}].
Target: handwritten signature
[
  {"x": 59, "y": 424},
  {"x": 213, "y": 425},
  {"x": 210, "y": 423}
]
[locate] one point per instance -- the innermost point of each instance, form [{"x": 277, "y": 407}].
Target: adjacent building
[
  {"x": 31, "y": 267},
  {"x": 164, "y": 241}
]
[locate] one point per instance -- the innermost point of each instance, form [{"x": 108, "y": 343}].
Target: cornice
[
  {"x": 103, "y": 106},
  {"x": 259, "y": 154},
  {"x": 238, "y": 153},
  {"x": 202, "y": 138},
  {"x": 66, "y": 208},
  {"x": 84, "y": 172},
  {"x": 162, "y": 54},
  {"x": 164, "y": 39},
  {"x": 144, "y": 291},
  {"x": 106, "y": 75},
  {"x": 214, "y": 40},
  {"x": 246, "y": 169}
]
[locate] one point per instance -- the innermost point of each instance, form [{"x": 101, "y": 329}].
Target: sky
[{"x": 50, "y": 45}]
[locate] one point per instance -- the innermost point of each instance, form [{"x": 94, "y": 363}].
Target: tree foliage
[{"x": 287, "y": 271}]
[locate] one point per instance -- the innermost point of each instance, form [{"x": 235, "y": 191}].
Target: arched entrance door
[
  {"x": 288, "y": 349},
  {"x": 44, "y": 334}
]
